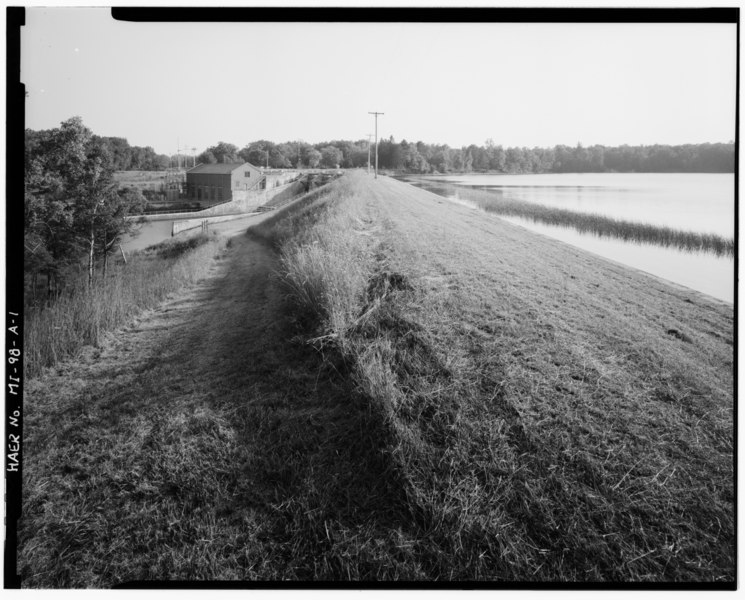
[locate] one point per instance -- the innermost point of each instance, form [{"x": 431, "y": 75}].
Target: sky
[{"x": 171, "y": 85}]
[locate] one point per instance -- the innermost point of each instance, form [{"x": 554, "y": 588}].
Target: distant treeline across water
[
  {"x": 688, "y": 158},
  {"x": 421, "y": 157}
]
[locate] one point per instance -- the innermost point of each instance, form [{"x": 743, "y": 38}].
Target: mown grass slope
[
  {"x": 377, "y": 384},
  {"x": 550, "y": 416}
]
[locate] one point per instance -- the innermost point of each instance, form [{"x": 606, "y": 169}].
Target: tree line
[
  {"x": 421, "y": 157},
  {"x": 74, "y": 211}
]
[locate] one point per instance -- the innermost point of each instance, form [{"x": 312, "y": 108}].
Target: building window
[{"x": 248, "y": 173}]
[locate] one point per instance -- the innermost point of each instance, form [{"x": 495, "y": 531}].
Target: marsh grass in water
[
  {"x": 81, "y": 316},
  {"x": 599, "y": 225}
]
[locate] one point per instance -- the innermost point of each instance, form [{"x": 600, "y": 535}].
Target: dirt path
[
  {"x": 191, "y": 443},
  {"x": 192, "y": 328}
]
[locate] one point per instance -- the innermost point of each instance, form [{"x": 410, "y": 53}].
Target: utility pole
[
  {"x": 369, "y": 135},
  {"x": 376, "y": 139}
]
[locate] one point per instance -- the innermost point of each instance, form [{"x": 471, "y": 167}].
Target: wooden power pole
[{"x": 376, "y": 140}]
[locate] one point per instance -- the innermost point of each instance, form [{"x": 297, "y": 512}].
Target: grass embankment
[
  {"x": 595, "y": 224},
  {"x": 440, "y": 395},
  {"x": 207, "y": 442},
  {"x": 548, "y": 416},
  {"x": 81, "y": 316}
]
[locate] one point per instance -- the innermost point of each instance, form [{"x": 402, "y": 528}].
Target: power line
[{"x": 376, "y": 139}]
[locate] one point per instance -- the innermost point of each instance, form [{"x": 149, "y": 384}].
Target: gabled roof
[{"x": 219, "y": 168}]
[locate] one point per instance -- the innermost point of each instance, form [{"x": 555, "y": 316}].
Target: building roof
[{"x": 219, "y": 168}]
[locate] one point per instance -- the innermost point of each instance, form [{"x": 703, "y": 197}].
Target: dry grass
[
  {"x": 528, "y": 447},
  {"x": 206, "y": 443},
  {"x": 437, "y": 396},
  {"x": 80, "y": 317}
]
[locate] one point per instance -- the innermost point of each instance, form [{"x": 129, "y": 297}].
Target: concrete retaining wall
[
  {"x": 276, "y": 179},
  {"x": 247, "y": 202}
]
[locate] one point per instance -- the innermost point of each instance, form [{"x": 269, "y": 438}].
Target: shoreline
[
  {"x": 703, "y": 271},
  {"x": 679, "y": 286}
]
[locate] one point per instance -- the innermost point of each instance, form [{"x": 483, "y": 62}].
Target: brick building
[{"x": 222, "y": 182}]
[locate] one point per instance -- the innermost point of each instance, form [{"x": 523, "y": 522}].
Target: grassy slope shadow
[
  {"x": 320, "y": 463},
  {"x": 234, "y": 452}
]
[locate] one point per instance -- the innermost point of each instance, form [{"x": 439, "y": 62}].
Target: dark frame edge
[
  {"x": 449, "y": 14},
  {"x": 14, "y": 233}
]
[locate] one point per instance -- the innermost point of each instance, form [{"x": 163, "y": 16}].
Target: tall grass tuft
[
  {"x": 325, "y": 262},
  {"x": 80, "y": 318}
]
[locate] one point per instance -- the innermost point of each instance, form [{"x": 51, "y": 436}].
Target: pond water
[
  {"x": 697, "y": 202},
  {"x": 702, "y": 202},
  {"x": 147, "y": 234},
  {"x": 153, "y": 232},
  {"x": 700, "y": 271}
]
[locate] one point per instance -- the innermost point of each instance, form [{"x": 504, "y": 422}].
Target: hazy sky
[{"x": 158, "y": 84}]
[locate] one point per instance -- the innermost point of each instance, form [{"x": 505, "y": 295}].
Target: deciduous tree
[
  {"x": 70, "y": 199},
  {"x": 331, "y": 157}
]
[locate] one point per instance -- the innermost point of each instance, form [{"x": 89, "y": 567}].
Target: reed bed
[
  {"x": 81, "y": 317},
  {"x": 600, "y": 225}
]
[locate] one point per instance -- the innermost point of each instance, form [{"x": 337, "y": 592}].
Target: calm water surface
[
  {"x": 700, "y": 271},
  {"x": 153, "y": 232},
  {"x": 147, "y": 234},
  {"x": 689, "y": 201},
  {"x": 702, "y": 202}
]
